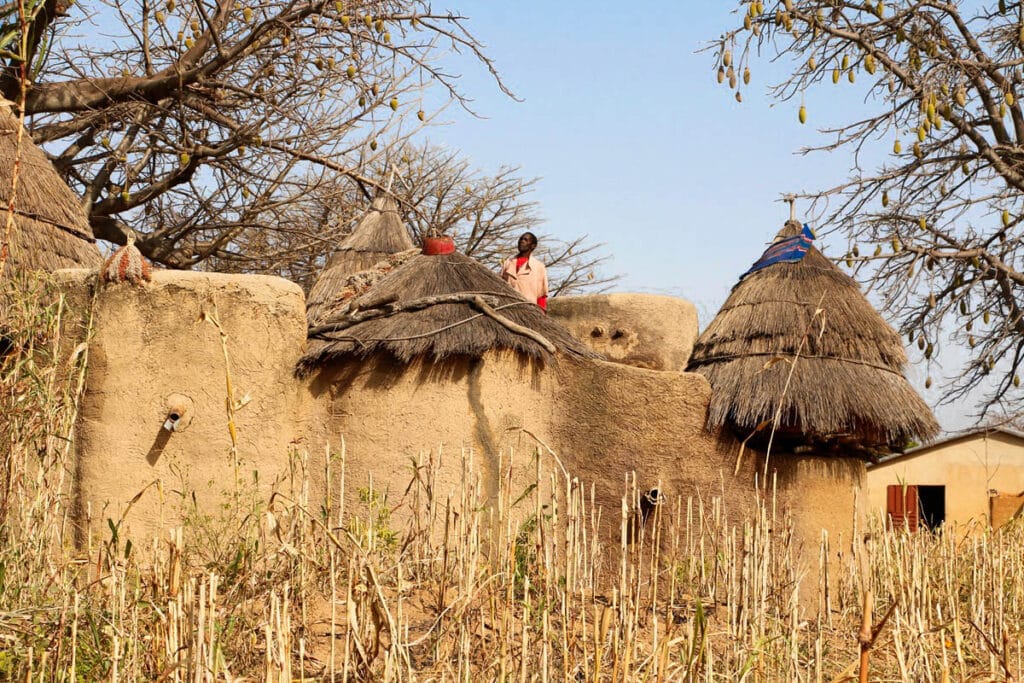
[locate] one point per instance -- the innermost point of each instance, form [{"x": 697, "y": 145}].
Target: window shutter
[{"x": 902, "y": 506}]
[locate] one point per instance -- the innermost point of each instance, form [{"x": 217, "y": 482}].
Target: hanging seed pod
[
  {"x": 897, "y": 147},
  {"x": 931, "y": 300},
  {"x": 856, "y": 251},
  {"x": 910, "y": 337},
  {"x": 928, "y": 351},
  {"x": 928, "y": 383},
  {"x": 878, "y": 250},
  {"x": 802, "y": 114},
  {"x": 920, "y": 343},
  {"x": 986, "y": 317},
  {"x": 963, "y": 307},
  {"x": 727, "y": 58},
  {"x": 895, "y": 244},
  {"x": 969, "y": 326},
  {"x": 835, "y": 75},
  {"x": 971, "y": 341},
  {"x": 746, "y": 76},
  {"x": 1006, "y": 218},
  {"x": 1016, "y": 380},
  {"x": 869, "y": 64},
  {"x": 812, "y": 63},
  {"x": 885, "y": 198}
]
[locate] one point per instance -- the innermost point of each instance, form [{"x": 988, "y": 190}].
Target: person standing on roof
[{"x": 525, "y": 274}]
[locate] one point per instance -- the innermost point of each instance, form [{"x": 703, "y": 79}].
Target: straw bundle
[
  {"x": 440, "y": 330},
  {"x": 799, "y": 339}
]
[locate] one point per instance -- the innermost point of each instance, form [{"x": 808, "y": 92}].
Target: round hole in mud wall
[
  {"x": 179, "y": 410},
  {"x": 618, "y": 334},
  {"x": 597, "y": 332}
]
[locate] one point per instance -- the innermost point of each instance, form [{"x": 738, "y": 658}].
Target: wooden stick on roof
[{"x": 791, "y": 200}]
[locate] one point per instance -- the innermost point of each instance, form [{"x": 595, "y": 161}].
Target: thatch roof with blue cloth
[{"x": 798, "y": 340}]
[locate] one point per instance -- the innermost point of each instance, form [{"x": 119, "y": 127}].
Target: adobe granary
[
  {"x": 797, "y": 341},
  {"x": 379, "y": 235},
  {"x": 424, "y": 359},
  {"x": 433, "y": 354},
  {"x": 50, "y": 229}
]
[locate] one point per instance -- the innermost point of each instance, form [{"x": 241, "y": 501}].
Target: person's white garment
[{"x": 531, "y": 280}]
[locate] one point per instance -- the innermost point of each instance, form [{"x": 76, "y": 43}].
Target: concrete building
[{"x": 973, "y": 478}]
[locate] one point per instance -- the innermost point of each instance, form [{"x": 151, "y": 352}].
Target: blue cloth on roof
[{"x": 789, "y": 250}]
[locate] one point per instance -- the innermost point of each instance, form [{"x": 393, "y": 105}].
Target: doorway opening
[{"x": 932, "y": 501}]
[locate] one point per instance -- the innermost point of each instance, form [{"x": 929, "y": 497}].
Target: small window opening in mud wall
[{"x": 916, "y": 507}]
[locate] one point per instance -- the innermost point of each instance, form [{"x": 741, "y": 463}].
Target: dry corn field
[{"x": 539, "y": 586}]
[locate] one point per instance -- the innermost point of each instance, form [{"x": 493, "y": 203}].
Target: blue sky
[
  {"x": 635, "y": 142},
  {"x": 637, "y": 145}
]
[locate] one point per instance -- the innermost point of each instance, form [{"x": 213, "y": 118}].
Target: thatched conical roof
[
  {"x": 51, "y": 230},
  {"x": 407, "y": 322},
  {"x": 379, "y": 234},
  {"x": 808, "y": 318}
]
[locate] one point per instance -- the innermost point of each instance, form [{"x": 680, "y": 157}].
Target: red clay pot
[{"x": 438, "y": 246}]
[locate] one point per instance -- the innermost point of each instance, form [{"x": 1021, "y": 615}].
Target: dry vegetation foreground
[{"x": 286, "y": 587}]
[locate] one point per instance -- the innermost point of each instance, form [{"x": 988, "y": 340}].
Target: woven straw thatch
[
  {"x": 379, "y": 234},
  {"x": 50, "y": 229},
  {"x": 440, "y": 330},
  {"x": 847, "y": 391}
]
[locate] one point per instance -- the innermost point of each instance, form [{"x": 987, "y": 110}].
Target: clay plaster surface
[
  {"x": 644, "y": 330},
  {"x": 151, "y": 353}
]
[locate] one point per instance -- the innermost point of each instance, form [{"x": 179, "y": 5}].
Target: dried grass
[
  {"x": 442, "y": 330},
  {"x": 50, "y": 229}
]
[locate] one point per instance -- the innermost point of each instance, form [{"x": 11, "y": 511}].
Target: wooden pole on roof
[{"x": 791, "y": 200}]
